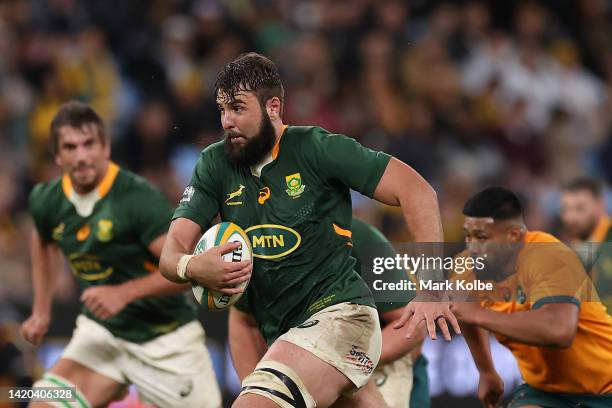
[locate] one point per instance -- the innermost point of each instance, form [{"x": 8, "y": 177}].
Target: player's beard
[
  {"x": 85, "y": 182},
  {"x": 583, "y": 234},
  {"x": 255, "y": 149}
]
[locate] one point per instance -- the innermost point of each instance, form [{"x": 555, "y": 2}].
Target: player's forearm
[
  {"x": 247, "y": 345},
  {"x": 46, "y": 263},
  {"x": 153, "y": 285},
  {"x": 402, "y": 185},
  {"x": 44, "y": 287},
  {"x": 180, "y": 240},
  {"x": 169, "y": 259},
  {"x": 539, "y": 327},
  {"x": 395, "y": 345},
  {"x": 477, "y": 340},
  {"x": 422, "y": 214}
]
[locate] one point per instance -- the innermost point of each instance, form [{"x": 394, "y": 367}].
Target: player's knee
[
  {"x": 278, "y": 383},
  {"x": 64, "y": 393}
]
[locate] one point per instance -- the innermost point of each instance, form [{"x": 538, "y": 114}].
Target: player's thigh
[
  {"x": 288, "y": 377},
  {"x": 97, "y": 389},
  {"x": 331, "y": 353},
  {"x": 174, "y": 369},
  {"x": 366, "y": 397},
  {"x": 346, "y": 336}
]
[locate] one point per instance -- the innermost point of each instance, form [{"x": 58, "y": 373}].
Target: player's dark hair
[
  {"x": 592, "y": 185},
  {"x": 76, "y": 115},
  {"x": 496, "y": 202},
  {"x": 250, "y": 72}
]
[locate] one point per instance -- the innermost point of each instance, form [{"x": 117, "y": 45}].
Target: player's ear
[
  {"x": 601, "y": 206},
  {"x": 515, "y": 234},
  {"x": 107, "y": 149},
  {"x": 273, "y": 107}
]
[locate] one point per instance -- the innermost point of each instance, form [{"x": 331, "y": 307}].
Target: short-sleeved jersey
[
  {"x": 297, "y": 213},
  {"x": 367, "y": 237},
  {"x": 109, "y": 246},
  {"x": 549, "y": 272}
]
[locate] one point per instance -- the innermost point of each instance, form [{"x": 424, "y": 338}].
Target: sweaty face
[
  {"x": 493, "y": 242},
  {"x": 248, "y": 131},
  {"x": 82, "y": 155},
  {"x": 580, "y": 211}
]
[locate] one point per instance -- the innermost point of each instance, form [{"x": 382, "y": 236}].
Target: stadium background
[{"x": 469, "y": 93}]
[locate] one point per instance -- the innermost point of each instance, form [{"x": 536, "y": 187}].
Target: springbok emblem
[{"x": 236, "y": 193}]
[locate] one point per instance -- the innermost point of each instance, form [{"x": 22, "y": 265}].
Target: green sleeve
[
  {"x": 150, "y": 211},
  {"x": 343, "y": 159},
  {"x": 37, "y": 207},
  {"x": 200, "y": 201}
]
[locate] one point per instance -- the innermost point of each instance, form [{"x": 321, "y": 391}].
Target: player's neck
[{"x": 279, "y": 128}]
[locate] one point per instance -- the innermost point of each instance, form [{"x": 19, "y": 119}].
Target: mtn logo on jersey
[
  {"x": 89, "y": 267},
  {"x": 295, "y": 188},
  {"x": 233, "y": 195},
  {"x": 270, "y": 241}
]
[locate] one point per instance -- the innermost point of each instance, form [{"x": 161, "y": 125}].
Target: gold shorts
[{"x": 346, "y": 336}]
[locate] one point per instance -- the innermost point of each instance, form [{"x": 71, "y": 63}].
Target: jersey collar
[
  {"x": 256, "y": 170},
  {"x": 601, "y": 230},
  {"x": 276, "y": 147}
]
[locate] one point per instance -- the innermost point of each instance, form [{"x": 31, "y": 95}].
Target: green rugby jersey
[
  {"x": 109, "y": 246},
  {"x": 297, "y": 213}
]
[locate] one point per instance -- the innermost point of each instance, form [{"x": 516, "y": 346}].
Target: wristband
[{"x": 181, "y": 266}]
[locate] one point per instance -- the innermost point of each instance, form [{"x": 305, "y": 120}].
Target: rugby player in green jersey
[
  {"x": 588, "y": 228},
  {"x": 288, "y": 187},
  {"x": 135, "y": 326},
  {"x": 401, "y": 383}
]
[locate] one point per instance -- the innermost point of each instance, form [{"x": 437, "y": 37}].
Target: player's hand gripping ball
[{"x": 218, "y": 235}]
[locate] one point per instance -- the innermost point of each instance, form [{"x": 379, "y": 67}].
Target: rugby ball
[{"x": 218, "y": 235}]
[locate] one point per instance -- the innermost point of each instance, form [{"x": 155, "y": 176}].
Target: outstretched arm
[
  {"x": 394, "y": 345},
  {"x": 47, "y": 261},
  {"x": 490, "y": 385},
  {"x": 551, "y": 325},
  {"x": 402, "y": 185},
  {"x": 105, "y": 301}
]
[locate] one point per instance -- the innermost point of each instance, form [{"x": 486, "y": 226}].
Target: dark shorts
[
  {"x": 527, "y": 395},
  {"x": 419, "y": 396}
]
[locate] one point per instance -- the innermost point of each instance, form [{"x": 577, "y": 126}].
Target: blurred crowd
[{"x": 469, "y": 93}]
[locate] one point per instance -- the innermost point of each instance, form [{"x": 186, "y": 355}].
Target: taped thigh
[{"x": 278, "y": 383}]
